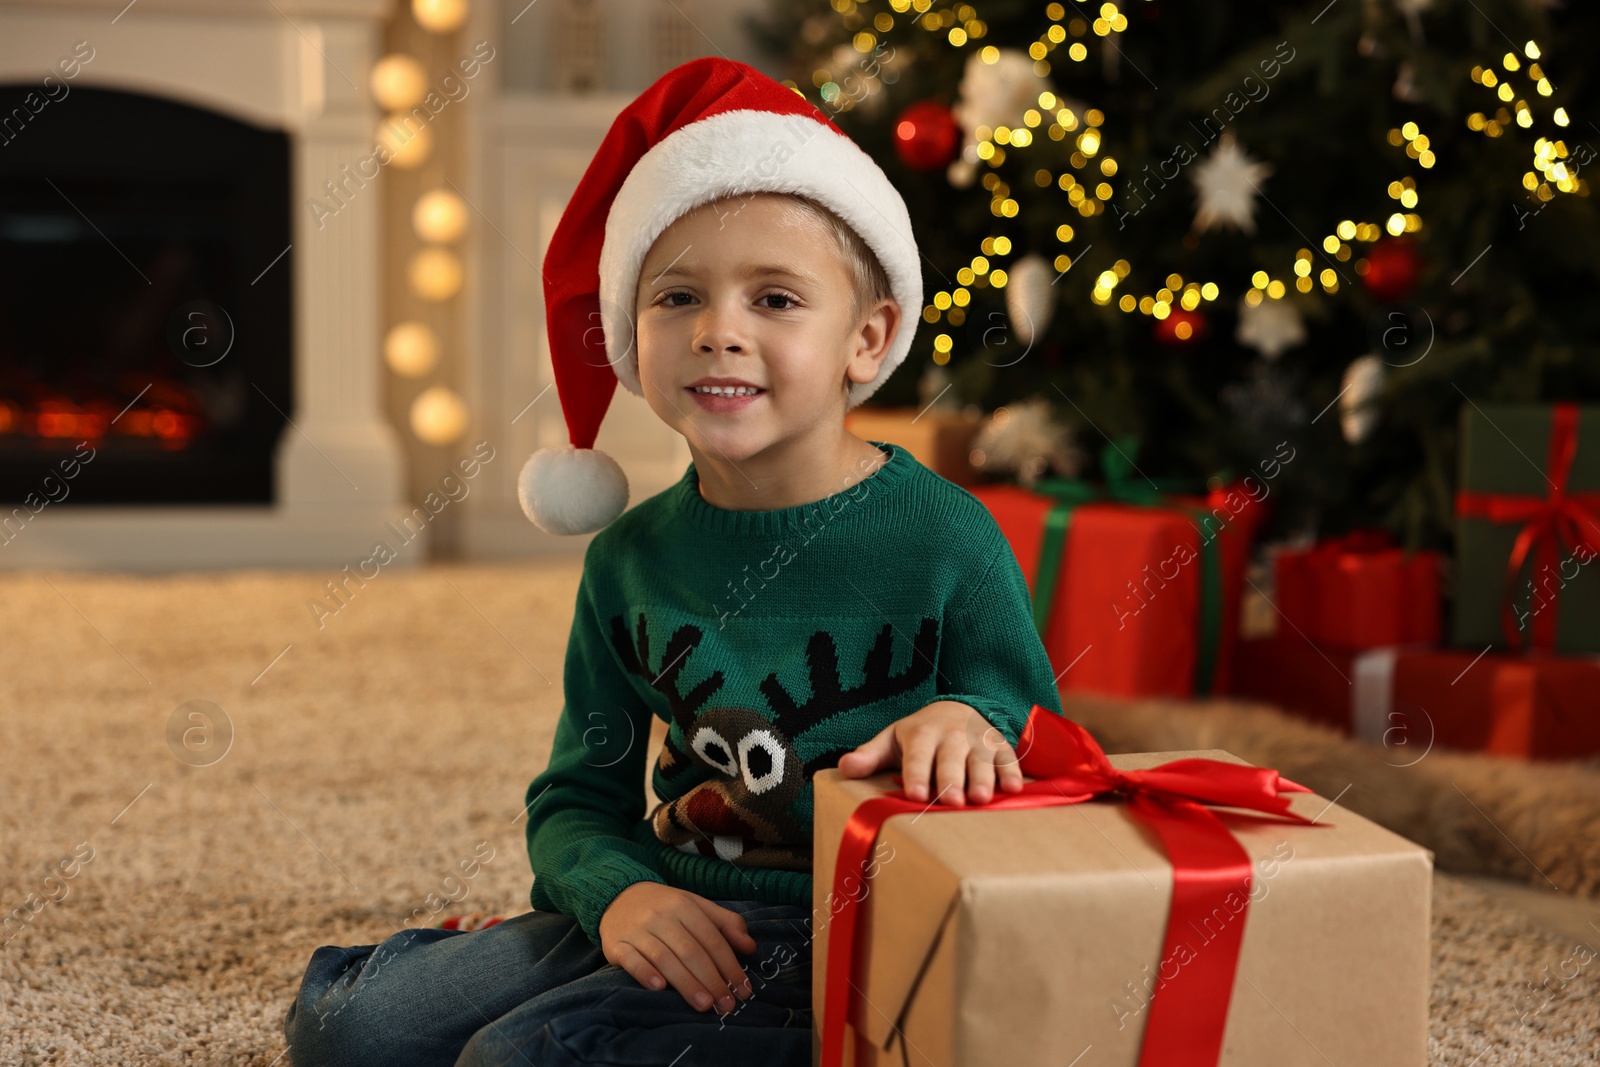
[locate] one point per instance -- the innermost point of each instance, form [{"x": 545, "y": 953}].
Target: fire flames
[{"x": 166, "y": 413}]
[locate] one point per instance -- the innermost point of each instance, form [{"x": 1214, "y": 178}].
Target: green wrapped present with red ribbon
[
  {"x": 1135, "y": 583},
  {"x": 1528, "y": 527}
]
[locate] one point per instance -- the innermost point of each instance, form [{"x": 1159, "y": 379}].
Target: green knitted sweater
[{"x": 771, "y": 643}]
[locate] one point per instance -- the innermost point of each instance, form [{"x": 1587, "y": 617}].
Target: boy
[{"x": 800, "y": 599}]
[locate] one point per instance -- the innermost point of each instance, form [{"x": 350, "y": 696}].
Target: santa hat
[{"x": 709, "y": 129}]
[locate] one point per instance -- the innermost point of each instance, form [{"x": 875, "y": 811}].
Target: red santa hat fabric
[{"x": 708, "y": 129}]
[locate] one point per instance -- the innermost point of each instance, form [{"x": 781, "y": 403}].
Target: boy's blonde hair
[{"x": 870, "y": 283}]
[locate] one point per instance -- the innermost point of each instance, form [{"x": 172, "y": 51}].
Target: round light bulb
[
  {"x": 411, "y": 349},
  {"x": 438, "y": 415},
  {"x": 435, "y": 274},
  {"x": 398, "y": 82},
  {"x": 409, "y": 145},
  {"x": 439, "y": 216},
  {"x": 439, "y": 16}
]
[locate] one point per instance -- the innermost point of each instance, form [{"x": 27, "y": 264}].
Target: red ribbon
[
  {"x": 1547, "y": 521},
  {"x": 1187, "y": 1013}
]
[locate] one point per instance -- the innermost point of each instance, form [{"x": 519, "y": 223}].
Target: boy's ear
[{"x": 871, "y": 342}]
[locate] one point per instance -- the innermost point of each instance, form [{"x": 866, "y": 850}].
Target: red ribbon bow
[
  {"x": 1548, "y": 520},
  {"x": 1188, "y": 1014}
]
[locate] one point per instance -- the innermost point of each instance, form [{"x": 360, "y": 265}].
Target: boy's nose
[{"x": 718, "y": 335}]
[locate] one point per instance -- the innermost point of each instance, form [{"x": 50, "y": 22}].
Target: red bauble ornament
[
  {"x": 1181, "y": 327},
  {"x": 1393, "y": 266},
  {"x": 926, "y": 135}
]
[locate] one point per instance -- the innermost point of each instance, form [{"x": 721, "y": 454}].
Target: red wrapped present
[
  {"x": 1131, "y": 599},
  {"x": 1291, "y": 673},
  {"x": 1410, "y": 699},
  {"x": 1540, "y": 707},
  {"x": 1359, "y": 591}
]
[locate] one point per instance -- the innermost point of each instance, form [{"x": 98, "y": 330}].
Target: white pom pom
[{"x": 571, "y": 490}]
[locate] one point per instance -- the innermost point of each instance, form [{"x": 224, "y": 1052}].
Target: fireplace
[
  {"x": 146, "y": 307},
  {"x": 177, "y": 330}
]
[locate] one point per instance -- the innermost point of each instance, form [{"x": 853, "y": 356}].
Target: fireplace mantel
[{"x": 299, "y": 66}]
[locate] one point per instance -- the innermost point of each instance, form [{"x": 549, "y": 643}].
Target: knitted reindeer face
[{"x": 742, "y": 811}]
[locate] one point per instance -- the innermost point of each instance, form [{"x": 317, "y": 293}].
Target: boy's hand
[
  {"x": 949, "y": 737},
  {"x": 661, "y": 934}
]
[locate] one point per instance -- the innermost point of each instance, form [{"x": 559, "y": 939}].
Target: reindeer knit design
[{"x": 771, "y": 643}]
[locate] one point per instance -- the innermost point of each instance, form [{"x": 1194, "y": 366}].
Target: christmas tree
[{"x": 1221, "y": 229}]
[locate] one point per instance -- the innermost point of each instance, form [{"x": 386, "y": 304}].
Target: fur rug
[{"x": 1531, "y": 822}]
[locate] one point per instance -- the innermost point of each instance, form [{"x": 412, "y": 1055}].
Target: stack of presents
[
  {"x": 1139, "y": 592},
  {"x": 1189, "y": 907}
]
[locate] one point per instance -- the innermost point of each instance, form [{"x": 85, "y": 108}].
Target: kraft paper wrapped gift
[
  {"x": 1028, "y": 936},
  {"x": 940, "y": 439}
]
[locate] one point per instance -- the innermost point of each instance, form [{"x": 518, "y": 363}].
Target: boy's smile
[
  {"x": 723, "y": 395},
  {"x": 748, "y": 341}
]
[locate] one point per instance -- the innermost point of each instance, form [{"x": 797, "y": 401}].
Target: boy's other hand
[
  {"x": 661, "y": 934},
  {"x": 948, "y": 740}
]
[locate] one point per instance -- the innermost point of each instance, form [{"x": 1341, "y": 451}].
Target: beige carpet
[{"x": 367, "y": 762}]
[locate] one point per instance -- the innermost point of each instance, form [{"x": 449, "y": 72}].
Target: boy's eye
[
  {"x": 664, "y": 301},
  {"x": 781, "y": 296}
]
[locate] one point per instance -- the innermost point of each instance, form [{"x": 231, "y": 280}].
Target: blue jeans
[{"x": 535, "y": 991}]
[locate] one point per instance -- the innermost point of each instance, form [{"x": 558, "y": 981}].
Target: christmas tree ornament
[
  {"x": 1270, "y": 326},
  {"x": 963, "y": 172},
  {"x": 1024, "y": 441},
  {"x": 1405, "y": 84},
  {"x": 1393, "y": 266},
  {"x": 1180, "y": 327},
  {"x": 1411, "y": 11},
  {"x": 860, "y": 80},
  {"x": 997, "y": 94},
  {"x": 1227, "y": 182},
  {"x": 1358, "y": 412},
  {"x": 926, "y": 136},
  {"x": 1030, "y": 299},
  {"x": 684, "y": 142}
]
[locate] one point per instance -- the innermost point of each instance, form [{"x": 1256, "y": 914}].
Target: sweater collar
[{"x": 709, "y": 518}]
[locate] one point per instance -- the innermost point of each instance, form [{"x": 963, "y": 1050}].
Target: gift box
[
  {"x": 1536, "y": 706},
  {"x": 1410, "y": 699},
  {"x": 1027, "y": 936},
  {"x": 1359, "y": 591},
  {"x": 1306, "y": 680},
  {"x": 1131, "y": 600},
  {"x": 1528, "y": 527},
  {"x": 940, "y": 438}
]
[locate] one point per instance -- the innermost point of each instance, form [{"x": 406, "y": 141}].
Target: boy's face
[{"x": 755, "y": 290}]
